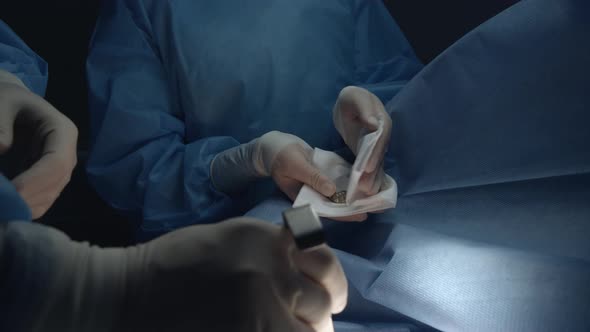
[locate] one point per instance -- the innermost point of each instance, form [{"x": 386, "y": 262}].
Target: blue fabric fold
[{"x": 490, "y": 148}]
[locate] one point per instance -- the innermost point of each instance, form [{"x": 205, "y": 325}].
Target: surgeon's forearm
[
  {"x": 234, "y": 169},
  {"x": 51, "y": 283}
]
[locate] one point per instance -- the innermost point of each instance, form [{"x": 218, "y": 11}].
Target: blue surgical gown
[
  {"x": 491, "y": 151},
  {"x": 18, "y": 59},
  {"x": 174, "y": 83}
]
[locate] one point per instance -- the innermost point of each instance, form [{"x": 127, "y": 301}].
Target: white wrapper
[{"x": 340, "y": 171}]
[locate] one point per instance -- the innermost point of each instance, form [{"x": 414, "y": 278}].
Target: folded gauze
[{"x": 346, "y": 177}]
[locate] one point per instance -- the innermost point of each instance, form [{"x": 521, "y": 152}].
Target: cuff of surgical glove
[
  {"x": 231, "y": 171},
  {"x": 9, "y": 78}
]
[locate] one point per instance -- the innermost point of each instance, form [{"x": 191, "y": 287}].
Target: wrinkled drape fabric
[{"x": 491, "y": 151}]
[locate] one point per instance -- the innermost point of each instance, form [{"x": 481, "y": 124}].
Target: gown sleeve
[{"x": 149, "y": 172}]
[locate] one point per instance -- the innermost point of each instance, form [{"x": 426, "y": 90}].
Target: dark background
[{"x": 59, "y": 32}]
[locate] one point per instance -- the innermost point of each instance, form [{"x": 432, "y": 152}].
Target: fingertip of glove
[{"x": 328, "y": 189}]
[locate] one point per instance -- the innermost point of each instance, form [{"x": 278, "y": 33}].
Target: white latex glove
[
  {"x": 288, "y": 160},
  {"x": 239, "y": 275},
  {"x": 284, "y": 157},
  {"x": 356, "y": 113},
  {"x": 54, "y": 136}
]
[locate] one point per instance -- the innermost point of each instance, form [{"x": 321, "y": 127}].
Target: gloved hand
[
  {"x": 356, "y": 113},
  {"x": 238, "y": 275},
  {"x": 284, "y": 157},
  {"x": 54, "y": 137}
]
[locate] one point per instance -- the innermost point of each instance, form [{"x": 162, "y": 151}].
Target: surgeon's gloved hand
[
  {"x": 239, "y": 275},
  {"x": 356, "y": 113},
  {"x": 284, "y": 157},
  {"x": 288, "y": 160},
  {"x": 51, "y": 156}
]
